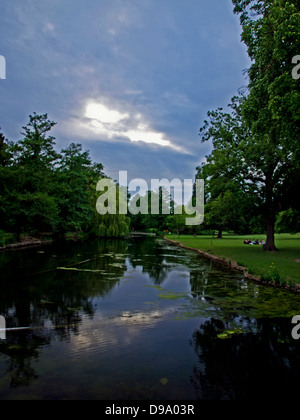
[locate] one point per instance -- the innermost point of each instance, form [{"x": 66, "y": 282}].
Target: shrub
[
  {"x": 102, "y": 230},
  {"x": 112, "y": 231},
  {"x": 2, "y": 238},
  {"x": 272, "y": 275}
]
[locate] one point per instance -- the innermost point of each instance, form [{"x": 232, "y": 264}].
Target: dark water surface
[{"x": 141, "y": 320}]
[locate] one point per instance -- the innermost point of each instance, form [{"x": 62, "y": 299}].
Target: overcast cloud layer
[{"x": 131, "y": 80}]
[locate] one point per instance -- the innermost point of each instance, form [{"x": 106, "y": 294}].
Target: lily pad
[
  {"x": 15, "y": 347},
  {"x": 69, "y": 309},
  {"x": 229, "y": 333},
  {"x": 171, "y": 296},
  {"x": 78, "y": 270},
  {"x": 156, "y": 287},
  {"x": 46, "y": 302},
  {"x": 117, "y": 265},
  {"x": 164, "y": 381}
]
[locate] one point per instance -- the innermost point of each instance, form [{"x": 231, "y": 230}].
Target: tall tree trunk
[
  {"x": 270, "y": 242},
  {"x": 270, "y": 214},
  {"x": 220, "y": 234}
]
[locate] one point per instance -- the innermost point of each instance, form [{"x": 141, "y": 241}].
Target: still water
[{"x": 141, "y": 320}]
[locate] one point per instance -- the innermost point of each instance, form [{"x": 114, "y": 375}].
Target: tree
[
  {"x": 231, "y": 193},
  {"x": 27, "y": 179},
  {"x": 271, "y": 109},
  {"x": 225, "y": 213},
  {"x": 288, "y": 221},
  {"x": 37, "y": 148},
  {"x": 75, "y": 189},
  {"x": 107, "y": 224},
  {"x": 157, "y": 205},
  {"x": 177, "y": 221},
  {"x": 6, "y": 153},
  {"x": 257, "y": 142},
  {"x": 42, "y": 190},
  {"x": 9, "y": 206}
]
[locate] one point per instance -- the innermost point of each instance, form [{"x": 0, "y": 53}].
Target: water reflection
[
  {"x": 49, "y": 302},
  {"x": 250, "y": 366},
  {"x": 150, "y": 255},
  {"x": 110, "y": 319},
  {"x": 35, "y": 290}
]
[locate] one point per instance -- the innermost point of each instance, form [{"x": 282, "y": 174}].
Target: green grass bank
[{"x": 281, "y": 268}]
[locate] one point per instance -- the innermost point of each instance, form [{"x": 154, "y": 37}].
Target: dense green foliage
[
  {"x": 43, "y": 191},
  {"x": 253, "y": 172}
]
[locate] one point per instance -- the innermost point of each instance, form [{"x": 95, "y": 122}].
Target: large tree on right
[{"x": 271, "y": 110}]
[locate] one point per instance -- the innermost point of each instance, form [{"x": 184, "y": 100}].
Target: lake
[{"x": 141, "y": 319}]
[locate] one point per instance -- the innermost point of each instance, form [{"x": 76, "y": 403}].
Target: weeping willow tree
[{"x": 111, "y": 220}]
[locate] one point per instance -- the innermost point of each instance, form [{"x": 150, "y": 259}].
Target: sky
[{"x": 130, "y": 80}]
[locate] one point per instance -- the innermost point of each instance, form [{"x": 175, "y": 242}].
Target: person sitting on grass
[{"x": 249, "y": 242}]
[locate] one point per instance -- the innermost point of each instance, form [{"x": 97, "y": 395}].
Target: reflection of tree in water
[
  {"x": 148, "y": 253},
  {"x": 248, "y": 366},
  {"x": 157, "y": 258},
  {"x": 54, "y": 302},
  {"x": 21, "y": 350},
  {"x": 199, "y": 279}
]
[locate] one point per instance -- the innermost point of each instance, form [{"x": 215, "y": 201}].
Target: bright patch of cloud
[
  {"x": 103, "y": 114},
  {"x": 102, "y": 122},
  {"x": 142, "y": 133}
]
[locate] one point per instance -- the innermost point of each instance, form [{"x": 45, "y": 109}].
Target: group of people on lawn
[{"x": 256, "y": 242}]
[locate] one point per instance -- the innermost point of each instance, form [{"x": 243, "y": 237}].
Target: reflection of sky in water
[{"x": 135, "y": 313}]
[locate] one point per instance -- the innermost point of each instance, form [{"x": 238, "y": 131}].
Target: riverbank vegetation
[{"x": 280, "y": 268}]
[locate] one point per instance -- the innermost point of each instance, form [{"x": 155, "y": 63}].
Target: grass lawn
[{"x": 280, "y": 267}]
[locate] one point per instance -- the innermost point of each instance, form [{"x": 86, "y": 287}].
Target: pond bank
[
  {"x": 235, "y": 267},
  {"x": 28, "y": 243}
]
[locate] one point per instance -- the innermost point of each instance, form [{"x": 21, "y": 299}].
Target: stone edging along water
[
  {"x": 26, "y": 244},
  {"x": 235, "y": 267}
]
